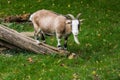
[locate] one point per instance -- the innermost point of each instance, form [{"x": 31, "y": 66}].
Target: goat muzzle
[{"x": 76, "y": 39}]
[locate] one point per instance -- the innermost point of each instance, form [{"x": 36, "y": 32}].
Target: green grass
[{"x": 99, "y": 52}]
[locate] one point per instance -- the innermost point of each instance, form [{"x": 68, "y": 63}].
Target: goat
[{"x": 51, "y": 23}]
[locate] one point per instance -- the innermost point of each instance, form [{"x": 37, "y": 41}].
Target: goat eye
[{"x": 78, "y": 26}]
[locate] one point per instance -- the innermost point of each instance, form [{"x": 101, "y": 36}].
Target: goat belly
[{"x": 50, "y": 34}]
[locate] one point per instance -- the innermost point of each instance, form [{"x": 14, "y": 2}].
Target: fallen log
[
  {"x": 17, "y": 18},
  {"x": 17, "y": 39},
  {"x": 7, "y": 45}
]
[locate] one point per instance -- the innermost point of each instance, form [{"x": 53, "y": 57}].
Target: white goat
[{"x": 50, "y": 23}]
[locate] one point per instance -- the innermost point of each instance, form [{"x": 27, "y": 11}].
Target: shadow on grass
[{"x": 15, "y": 52}]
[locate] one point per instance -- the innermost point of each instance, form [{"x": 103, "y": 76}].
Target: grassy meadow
[{"x": 98, "y": 55}]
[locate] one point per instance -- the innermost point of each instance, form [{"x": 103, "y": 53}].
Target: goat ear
[
  {"x": 68, "y": 22},
  {"x": 81, "y": 20}
]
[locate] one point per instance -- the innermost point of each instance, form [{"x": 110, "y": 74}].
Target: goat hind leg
[
  {"x": 42, "y": 35},
  {"x": 36, "y": 35}
]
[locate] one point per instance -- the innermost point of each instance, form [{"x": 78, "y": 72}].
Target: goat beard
[{"x": 76, "y": 39}]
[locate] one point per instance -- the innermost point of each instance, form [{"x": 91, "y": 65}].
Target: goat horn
[
  {"x": 78, "y": 16},
  {"x": 71, "y": 16}
]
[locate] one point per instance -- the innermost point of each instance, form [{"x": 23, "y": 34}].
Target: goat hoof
[
  {"x": 40, "y": 43},
  {"x": 44, "y": 41},
  {"x": 60, "y": 48},
  {"x": 65, "y": 48}
]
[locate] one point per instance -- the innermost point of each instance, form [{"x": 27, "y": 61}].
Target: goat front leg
[
  {"x": 65, "y": 42},
  {"x": 59, "y": 41}
]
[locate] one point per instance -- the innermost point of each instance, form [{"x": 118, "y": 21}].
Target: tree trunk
[
  {"x": 17, "y": 39},
  {"x": 18, "y": 18}
]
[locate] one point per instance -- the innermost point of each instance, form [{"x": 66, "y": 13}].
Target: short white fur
[{"x": 75, "y": 24}]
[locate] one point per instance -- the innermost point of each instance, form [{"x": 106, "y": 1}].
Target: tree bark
[
  {"x": 17, "y": 39},
  {"x": 7, "y": 45}
]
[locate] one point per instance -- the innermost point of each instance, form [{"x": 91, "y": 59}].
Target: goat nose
[{"x": 75, "y": 33}]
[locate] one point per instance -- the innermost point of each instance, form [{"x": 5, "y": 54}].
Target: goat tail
[{"x": 31, "y": 17}]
